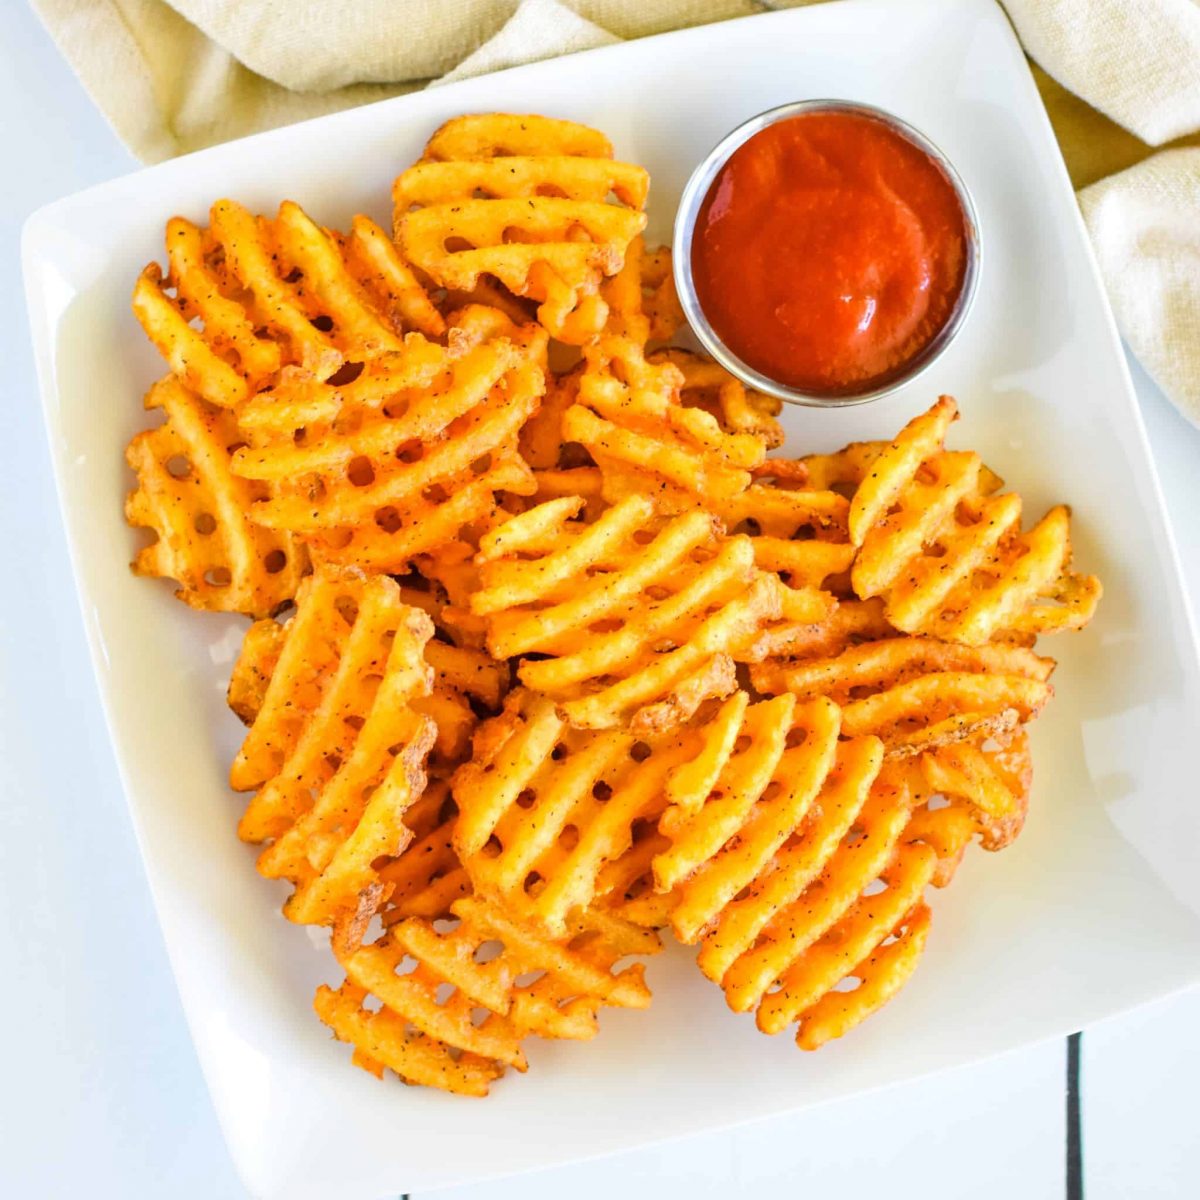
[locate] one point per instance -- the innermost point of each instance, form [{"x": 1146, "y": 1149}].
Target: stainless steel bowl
[{"x": 685, "y": 224}]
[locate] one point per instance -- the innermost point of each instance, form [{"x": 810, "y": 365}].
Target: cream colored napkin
[
  {"x": 1145, "y": 227},
  {"x": 175, "y": 75},
  {"x": 1138, "y": 61}
]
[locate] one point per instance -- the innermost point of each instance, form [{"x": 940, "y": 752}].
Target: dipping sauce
[{"x": 829, "y": 252}]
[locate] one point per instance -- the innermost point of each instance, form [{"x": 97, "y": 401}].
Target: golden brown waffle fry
[
  {"x": 798, "y": 532},
  {"x": 433, "y": 1039},
  {"x": 450, "y": 576},
  {"x": 949, "y": 558},
  {"x": 639, "y": 310},
  {"x": 508, "y": 135},
  {"x": 851, "y": 623},
  {"x": 660, "y": 301},
  {"x": 762, "y": 768},
  {"x": 461, "y": 675},
  {"x": 522, "y": 200},
  {"x": 490, "y": 293},
  {"x": 785, "y": 521},
  {"x": 547, "y": 446},
  {"x": 841, "y": 901},
  {"x": 426, "y": 878},
  {"x": 584, "y": 483},
  {"x": 642, "y": 618},
  {"x": 707, "y": 385},
  {"x": 399, "y": 459},
  {"x": 268, "y": 294},
  {"x": 337, "y": 749},
  {"x": 845, "y": 469},
  {"x": 625, "y": 886},
  {"x": 991, "y": 781},
  {"x": 543, "y": 808},
  {"x": 542, "y": 443},
  {"x": 877, "y": 977},
  {"x": 222, "y": 559},
  {"x": 256, "y": 662},
  {"x": 645, "y": 441},
  {"x": 374, "y": 260},
  {"x": 918, "y": 692},
  {"x": 641, "y": 298}
]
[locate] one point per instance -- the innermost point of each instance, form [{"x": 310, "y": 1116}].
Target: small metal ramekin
[{"x": 685, "y": 223}]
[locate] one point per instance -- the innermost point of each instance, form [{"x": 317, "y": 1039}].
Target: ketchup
[{"x": 829, "y": 252}]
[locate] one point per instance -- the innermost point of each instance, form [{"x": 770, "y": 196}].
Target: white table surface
[{"x": 100, "y": 1092}]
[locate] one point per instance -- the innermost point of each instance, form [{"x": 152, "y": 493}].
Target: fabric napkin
[
  {"x": 1145, "y": 227},
  {"x": 1118, "y": 77}
]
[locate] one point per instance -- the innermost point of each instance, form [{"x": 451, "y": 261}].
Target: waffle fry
[
  {"x": 948, "y": 557},
  {"x": 645, "y": 441},
  {"x": 990, "y": 781},
  {"x": 795, "y": 534},
  {"x": 200, "y": 512},
  {"x": 734, "y": 806},
  {"x": 543, "y": 808},
  {"x": 736, "y": 408},
  {"x": 642, "y": 303},
  {"x": 625, "y": 886},
  {"x": 522, "y": 200},
  {"x": 450, "y": 577},
  {"x": 437, "y": 1043},
  {"x": 851, "y": 623},
  {"x": 643, "y": 618},
  {"x": 660, "y": 301},
  {"x": 337, "y": 748},
  {"x": 914, "y": 693},
  {"x": 879, "y": 975},
  {"x": 802, "y": 609},
  {"x": 269, "y": 294},
  {"x": 642, "y": 307},
  {"x": 256, "y": 663},
  {"x": 841, "y": 901},
  {"x": 461, "y": 676},
  {"x": 542, "y": 444},
  {"x": 374, "y": 261},
  {"x": 582, "y": 483},
  {"x": 398, "y": 460},
  {"x": 426, "y": 878}
]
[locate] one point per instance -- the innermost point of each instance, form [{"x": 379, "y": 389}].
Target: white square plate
[{"x": 1093, "y": 910}]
